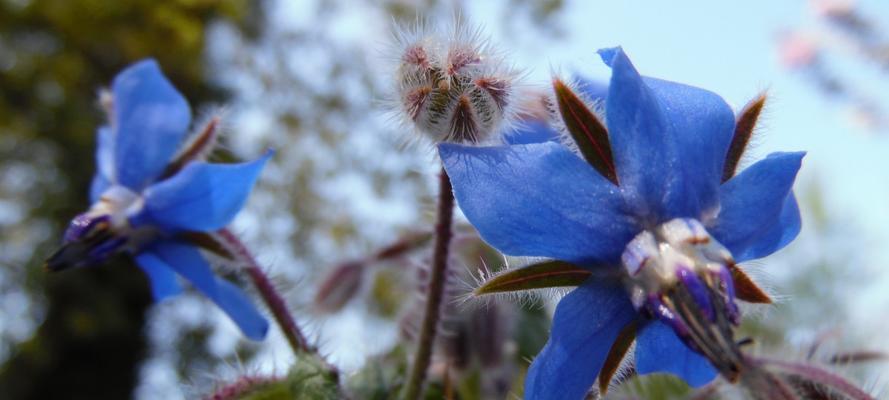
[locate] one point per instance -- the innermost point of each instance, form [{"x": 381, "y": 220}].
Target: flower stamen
[{"x": 680, "y": 275}]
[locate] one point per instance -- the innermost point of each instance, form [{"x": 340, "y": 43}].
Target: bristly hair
[
  {"x": 749, "y": 121},
  {"x": 205, "y": 137},
  {"x": 625, "y": 371},
  {"x": 524, "y": 298},
  {"x": 551, "y": 105},
  {"x": 451, "y": 84}
]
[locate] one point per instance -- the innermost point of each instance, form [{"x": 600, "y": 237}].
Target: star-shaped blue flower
[
  {"x": 669, "y": 143},
  {"x": 147, "y": 205}
]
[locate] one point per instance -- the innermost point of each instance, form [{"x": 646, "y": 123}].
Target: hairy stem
[
  {"x": 437, "y": 278},
  {"x": 818, "y": 380},
  {"x": 269, "y": 294}
]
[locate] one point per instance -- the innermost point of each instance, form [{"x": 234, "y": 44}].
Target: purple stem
[
  {"x": 269, "y": 294},
  {"x": 438, "y": 276},
  {"x": 819, "y": 376}
]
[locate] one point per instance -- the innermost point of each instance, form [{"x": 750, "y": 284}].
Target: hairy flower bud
[{"x": 453, "y": 88}]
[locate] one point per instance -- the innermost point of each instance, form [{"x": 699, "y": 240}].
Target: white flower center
[
  {"x": 654, "y": 257},
  {"x": 118, "y": 202}
]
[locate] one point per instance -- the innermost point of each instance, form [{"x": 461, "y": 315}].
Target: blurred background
[{"x": 311, "y": 79}]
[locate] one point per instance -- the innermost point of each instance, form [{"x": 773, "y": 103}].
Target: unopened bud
[{"x": 454, "y": 88}]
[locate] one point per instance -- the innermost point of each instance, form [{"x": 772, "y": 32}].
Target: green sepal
[
  {"x": 588, "y": 132},
  {"x": 547, "y": 274}
]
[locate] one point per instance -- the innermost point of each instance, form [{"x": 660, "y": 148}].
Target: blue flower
[
  {"x": 670, "y": 143},
  {"x": 153, "y": 194}
]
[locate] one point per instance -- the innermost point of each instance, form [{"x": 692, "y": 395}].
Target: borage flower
[
  {"x": 155, "y": 197},
  {"x": 655, "y": 217}
]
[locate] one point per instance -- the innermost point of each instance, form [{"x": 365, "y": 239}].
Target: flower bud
[{"x": 454, "y": 88}]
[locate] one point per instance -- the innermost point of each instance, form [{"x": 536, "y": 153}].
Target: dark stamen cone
[
  {"x": 542, "y": 275},
  {"x": 616, "y": 355},
  {"x": 746, "y": 289},
  {"x": 744, "y": 127},
  {"x": 587, "y": 131}
]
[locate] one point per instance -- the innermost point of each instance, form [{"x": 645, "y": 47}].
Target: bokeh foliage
[{"x": 55, "y": 55}]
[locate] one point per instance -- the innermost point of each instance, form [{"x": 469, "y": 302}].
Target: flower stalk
[
  {"x": 437, "y": 278},
  {"x": 269, "y": 294}
]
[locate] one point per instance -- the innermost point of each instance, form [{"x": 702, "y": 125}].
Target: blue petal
[
  {"x": 98, "y": 186},
  {"x": 201, "y": 197},
  {"x": 531, "y": 131},
  {"x": 539, "y": 200},
  {"x": 669, "y": 141},
  {"x": 188, "y": 262},
  {"x": 758, "y": 212},
  {"x": 162, "y": 277},
  {"x": 104, "y": 176},
  {"x": 586, "y": 324},
  {"x": 780, "y": 234},
  {"x": 150, "y": 119},
  {"x": 658, "y": 349}
]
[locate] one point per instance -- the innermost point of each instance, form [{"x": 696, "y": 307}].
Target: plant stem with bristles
[
  {"x": 435, "y": 291},
  {"x": 276, "y": 304}
]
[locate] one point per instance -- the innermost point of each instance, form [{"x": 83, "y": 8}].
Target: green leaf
[{"x": 542, "y": 275}]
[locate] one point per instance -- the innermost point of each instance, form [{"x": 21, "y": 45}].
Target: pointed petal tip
[
  {"x": 258, "y": 332},
  {"x": 263, "y": 159},
  {"x": 609, "y": 54},
  {"x": 793, "y": 157},
  {"x": 202, "y": 197}
]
